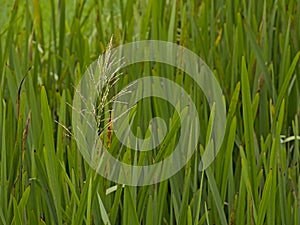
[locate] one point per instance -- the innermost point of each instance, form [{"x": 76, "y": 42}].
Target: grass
[{"x": 251, "y": 46}]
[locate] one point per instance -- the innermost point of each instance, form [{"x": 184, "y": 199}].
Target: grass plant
[{"x": 253, "y": 48}]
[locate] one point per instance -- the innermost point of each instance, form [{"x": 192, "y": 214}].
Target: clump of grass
[{"x": 252, "y": 48}]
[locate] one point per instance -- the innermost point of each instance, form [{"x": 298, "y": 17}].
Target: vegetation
[{"x": 253, "y": 48}]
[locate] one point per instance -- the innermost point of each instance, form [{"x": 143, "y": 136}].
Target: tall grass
[{"x": 252, "y": 48}]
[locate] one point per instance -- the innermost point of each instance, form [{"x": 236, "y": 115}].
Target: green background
[{"x": 252, "y": 48}]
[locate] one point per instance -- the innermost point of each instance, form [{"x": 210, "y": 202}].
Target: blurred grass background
[{"x": 252, "y": 48}]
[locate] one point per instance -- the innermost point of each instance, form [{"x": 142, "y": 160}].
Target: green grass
[{"x": 253, "y": 48}]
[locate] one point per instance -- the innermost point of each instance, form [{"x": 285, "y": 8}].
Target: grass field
[{"x": 253, "y": 49}]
